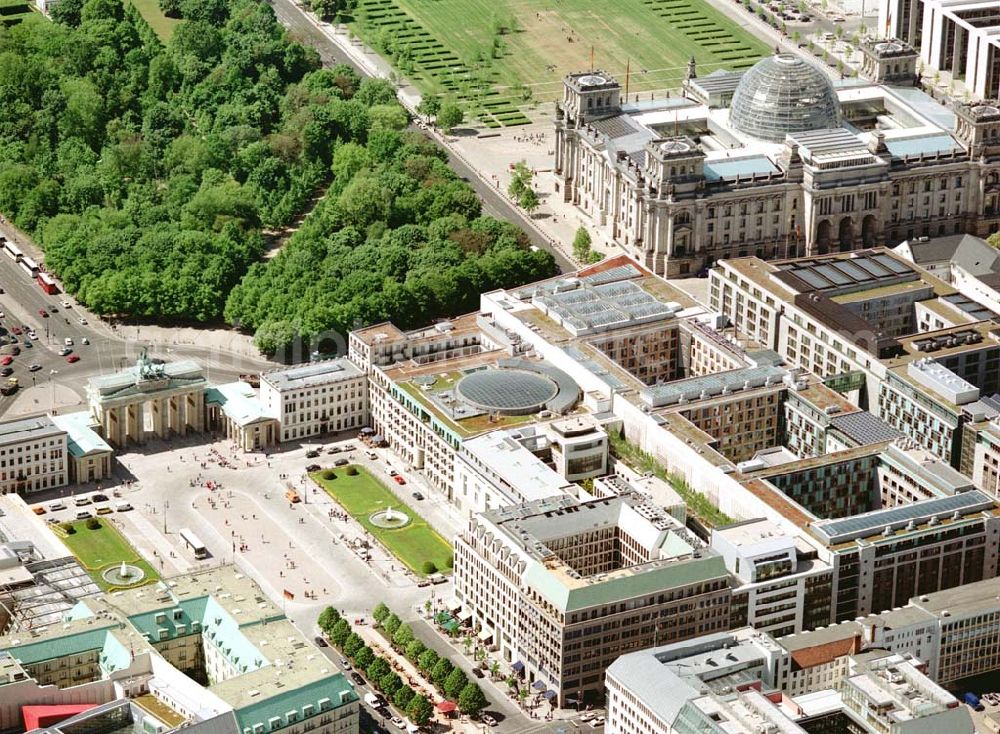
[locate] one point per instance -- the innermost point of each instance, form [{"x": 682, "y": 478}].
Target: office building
[
  {"x": 317, "y": 398},
  {"x": 731, "y": 683},
  {"x": 563, "y": 587},
  {"x": 961, "y": 38},
  {"x": 32, "y": 455}
]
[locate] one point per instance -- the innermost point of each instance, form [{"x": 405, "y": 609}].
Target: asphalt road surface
[{"x": 22, "y": 304}]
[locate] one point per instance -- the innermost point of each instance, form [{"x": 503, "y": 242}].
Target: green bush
[
  {"x": 450, "y": 561},
  {"x": 428, "y": 568},
  {"x": 68, "y": 528},
  {"x": 351, "y": 471},
  {"x": 93, "y": 524},
  {"x": 328, "y": 474}
]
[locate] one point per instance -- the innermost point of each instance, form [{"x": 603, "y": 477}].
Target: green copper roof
[
  {"x": 60, "y": 647},
  {"x": 643, "y": 581},
  {"x": 326, "y": 694}
]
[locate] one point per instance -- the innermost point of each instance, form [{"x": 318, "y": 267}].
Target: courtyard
[
  {"x": 413, "y": 542},
  {"x": 102, "y": 549}
]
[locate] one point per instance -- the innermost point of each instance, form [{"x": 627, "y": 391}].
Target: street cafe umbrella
[
  {"x": 446, "y": 707},
  {"x": 538, "y": 685}
]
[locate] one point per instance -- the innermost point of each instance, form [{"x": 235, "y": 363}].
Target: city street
[{"x": 60, "y": 384}]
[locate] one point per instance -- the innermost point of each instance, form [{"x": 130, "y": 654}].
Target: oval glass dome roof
[
  {"x": 783, "y": 94},
  {"x": 507, "y": 391}
]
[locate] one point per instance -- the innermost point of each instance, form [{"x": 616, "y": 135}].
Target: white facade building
[
  {"x": 316, "y": 398},
  {"x": 32, "y": 455}
]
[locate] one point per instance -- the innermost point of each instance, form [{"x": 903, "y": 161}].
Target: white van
[
  {"x": 68, "y": 341},
  {"x": 123, "y": 507},
  {"x": 57, "y": 505},
  {"x": 372, "y": 700}
]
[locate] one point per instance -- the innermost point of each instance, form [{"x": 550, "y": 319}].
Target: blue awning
[
  {"x": 518, "y": 666},
  {"x": 549, "y": 695},
  {"x": 538, "y": 685}
]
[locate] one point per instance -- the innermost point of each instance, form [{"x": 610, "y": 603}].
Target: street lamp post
[
  {"x": 166, "y": 506},
  {"x": 52, "y": 390}
]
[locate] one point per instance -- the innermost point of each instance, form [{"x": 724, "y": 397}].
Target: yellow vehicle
[
  {"x": 104, "y": 510},
  {"x": 292, "y": 496}
]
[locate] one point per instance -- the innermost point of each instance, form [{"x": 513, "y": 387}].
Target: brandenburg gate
[{"x": 160, "y": 398}]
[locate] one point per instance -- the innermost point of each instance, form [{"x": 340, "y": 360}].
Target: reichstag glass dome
[{"x": 783, "y": 94}]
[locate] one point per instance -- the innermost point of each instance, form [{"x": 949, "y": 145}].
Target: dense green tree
[
  {"x": 426, "y": 662},
  {"x": 339, "y": 632},
  {"x": 327, "y": 619},
  {"x": 380, "y": 613},
  {"x": 414, "y": 650},
  {"x": 403, "y": 636},
  {"x": 352, "y": 644},
  {"x": 419, "y": 710},
  {"x": 377, "y": 669},
  {"x": 390, "y": 624},
  {"x": 390, "y": 683},
  {"x": 402, "y": 697},
  {"x": 449, "y": 116},
  {"x": 363, "y": 658},
  {"x": 442, "y": 669},
  {"x": 472, "y": 700},
  {"x": 454, "y": 683}
]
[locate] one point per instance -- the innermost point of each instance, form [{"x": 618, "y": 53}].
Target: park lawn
[
  {"x": 362, "y": 495},
  {"x": 162, "y": 26},
  {"x": 98, "y": 549},
  {"x": 655, "y": 38}
]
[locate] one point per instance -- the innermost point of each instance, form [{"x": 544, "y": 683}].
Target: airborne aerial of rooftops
[{"x": 564, "y": 366}]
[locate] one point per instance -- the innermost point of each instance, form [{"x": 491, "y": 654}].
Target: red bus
[{"x": 47, "y": 284}]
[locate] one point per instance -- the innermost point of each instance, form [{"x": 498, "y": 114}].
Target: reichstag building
[{"x": 777, "y": 161}]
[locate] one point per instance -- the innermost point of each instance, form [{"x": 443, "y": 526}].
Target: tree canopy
[
  {"x": 398, "y": 237},
  {"x": 153, "y": 174}
]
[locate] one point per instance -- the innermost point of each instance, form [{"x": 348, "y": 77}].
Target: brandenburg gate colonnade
[{"x": 164, "y": 399}]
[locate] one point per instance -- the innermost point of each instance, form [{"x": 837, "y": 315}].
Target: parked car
[
  {"x": 43, "y": 313},
  {"x": 357, "y": 678},
  {"x": 320, "y": 642},
  {"x": 333, "y": 450},
  {"x": 488, "y": 720},
  {"x": 345, "y": 663},
  {"x": 57, "y": 505},
  {"x": 312, "y": 454},
  {"x": 83, "y": 322},
  {"x": 417, "y": 496},
  {"x": 65, "y": 304},
  {"x": 104, "y": 510},
  {"x": 399, "y": 480},
  {"x": 73, "y": 358},
  {"x": 35, "y": 367},
  {"x": 7, "y": 371},
  {"x": 341, "y": 462},
  {"x": 123, "y": 507},
  {"x": 83, "y": 499},
  {"x": 6, "y": 360},
  {"x": 398, "y": 722},
  {"x": 390, "y": 471},
  {"x": 85, "y": 340},
  {"x": 313, "y": 467},
  {"x": 84, "y": 515},
  {"x": 68, "y": 341},
  {"x": 599, "y": 721},
  {"x": 27, "y": 343},
  {"x": 99, "y": 497},
  {"x": 38, "y": 510},
  {"x": 64, "y": 351}
]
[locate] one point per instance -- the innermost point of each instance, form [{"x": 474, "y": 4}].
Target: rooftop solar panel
[
  {"x": 813, "y": 279},
  {"x": 832, "y": 274},
  {"x": 892, "y": 264},
  {"x": 850, "y": 270},
  {"x": 871, "y": 267},
  {"x": 612, "y": 274},
  {"x": 870, "y": 523}
]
